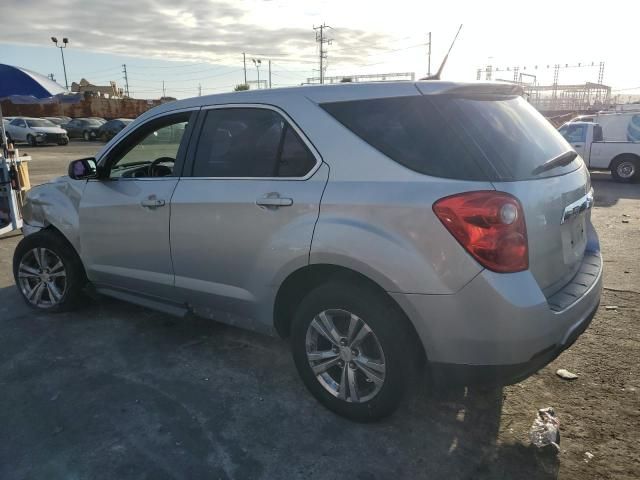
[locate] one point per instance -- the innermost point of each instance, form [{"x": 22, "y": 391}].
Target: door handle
[
  {"x": 152, "y": 202},
  {"x": 272, "y": 200},
  {"x": 577, "y": 145}
]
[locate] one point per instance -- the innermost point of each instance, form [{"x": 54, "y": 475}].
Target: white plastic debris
[
  {"x": 566, "y": 374},
  {"x": 545, "y": 429},
  {"x": 611, "y": 307},
  {"x": 588, "y": 456}
]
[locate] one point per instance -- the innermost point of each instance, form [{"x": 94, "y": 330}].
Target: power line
[{"x": 322, "y": 40}]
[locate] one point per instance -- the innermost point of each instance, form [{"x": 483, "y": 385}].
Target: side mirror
[{"x": 83, "y": 169}]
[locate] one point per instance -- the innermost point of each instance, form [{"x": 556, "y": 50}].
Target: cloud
[{"x": 213, "y": 30}]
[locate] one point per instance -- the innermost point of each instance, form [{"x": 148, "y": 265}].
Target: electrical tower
[
  {"x": 322, "y": 39},
  {"x": 126, "y": 78}
]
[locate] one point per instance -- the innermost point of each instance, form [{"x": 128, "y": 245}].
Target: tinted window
[
  {"x": 250, "y": 142},
  {"x": 513, "y": 136},
  {"x": 473, "y": 138},
  {"x": 411, "y": 131}
]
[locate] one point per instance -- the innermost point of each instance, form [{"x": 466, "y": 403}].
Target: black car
[
  {"x": 109, "y": 130},
  {"x": 86, "y": 128}
]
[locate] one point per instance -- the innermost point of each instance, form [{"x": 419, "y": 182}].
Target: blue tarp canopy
[{"x": 20, "y": 85}]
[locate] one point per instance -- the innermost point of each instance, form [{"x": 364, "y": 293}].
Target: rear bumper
[
  {"x": 500, "y": 328},
  {"x": 456, "y": 374}
]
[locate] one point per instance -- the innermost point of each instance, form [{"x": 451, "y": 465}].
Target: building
[{"x": 91, "y": 90}]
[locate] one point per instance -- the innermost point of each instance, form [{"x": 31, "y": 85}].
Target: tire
[
  {"x": 54, "y": 288},
  {"x": 63, "y": 142},
  {"x": 86, "y": 136},
  {"x": 626, "y": 168},
  {"x": 374, "y": 399},
  {"x": 31, "y": 140}
]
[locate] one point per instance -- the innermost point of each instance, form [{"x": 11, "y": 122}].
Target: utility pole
[
  {"x": 199, "y": 89},
  {"x": 429, "y": 57},
  {"x": 269, "y": 73},
  {"x": 322, "y": 40},
  {"x": 65, "y": 42},
  {"x": 244, "y": 62},
  {"x": 126, "y": 78},
  {"x": 164, "y": 92}
]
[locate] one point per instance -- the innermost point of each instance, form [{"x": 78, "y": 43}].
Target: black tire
[
  {"x": 626, "y": 169},
  {"x": 31, "y": 140},
  {"x": 75, "y": 276},
  {"x": 389, "y": 326},
  {"x": 63, "y": 142}
]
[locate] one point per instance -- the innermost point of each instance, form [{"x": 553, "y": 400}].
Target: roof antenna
[{"x": 436, "y": 76}]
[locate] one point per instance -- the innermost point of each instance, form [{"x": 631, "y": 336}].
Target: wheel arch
[{"x": 294, "y": 287}]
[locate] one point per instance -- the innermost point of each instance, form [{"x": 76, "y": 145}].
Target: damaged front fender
[{"x": 55, "y": 204}]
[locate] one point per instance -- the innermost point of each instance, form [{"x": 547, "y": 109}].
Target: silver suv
[{"x": 374, "y": 225}]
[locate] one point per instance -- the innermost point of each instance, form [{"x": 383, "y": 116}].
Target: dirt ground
[{"x": 116, "y": 391}]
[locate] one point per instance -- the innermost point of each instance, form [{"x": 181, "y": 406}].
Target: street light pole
[
  {"x": 65, "y": 42},
  {"x": 257, "y": 62}
]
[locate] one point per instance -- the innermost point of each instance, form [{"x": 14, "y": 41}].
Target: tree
[{"x": 241, "y": 87}]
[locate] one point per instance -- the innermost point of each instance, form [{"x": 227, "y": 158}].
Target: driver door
[{"x": 124, "y": 214}]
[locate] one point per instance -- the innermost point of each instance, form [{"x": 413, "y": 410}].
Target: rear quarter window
[
  {"x": 410, "y": 131},
  {"x": 484, "y": 137}
]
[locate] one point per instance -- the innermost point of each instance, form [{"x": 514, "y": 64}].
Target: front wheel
[
  {"x": 350, "y": 348},
  {"x": 31, "y": 140},
  {"x": 48, "y": 272},
  {"x": 625, "y": 169}
]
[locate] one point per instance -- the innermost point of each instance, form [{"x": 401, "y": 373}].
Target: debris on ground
[
  {"x": 566, "y": 374},
  {"x": 611, "y": 307},
  {"x": 625, "y": 221},
  {"x": 588, "y": 456},
  {"x": 545, "y": 429}
]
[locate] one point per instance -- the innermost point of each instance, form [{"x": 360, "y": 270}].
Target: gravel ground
[{"x": 116, "y": 391}]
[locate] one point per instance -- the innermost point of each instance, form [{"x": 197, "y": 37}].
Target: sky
[{"x": 198, "y": 44}]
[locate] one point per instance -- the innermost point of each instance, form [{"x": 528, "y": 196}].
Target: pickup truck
[{"x": 621, "y": 158}]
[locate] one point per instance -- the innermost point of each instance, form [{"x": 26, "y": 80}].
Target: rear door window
[{"x": 250, "y": 143}]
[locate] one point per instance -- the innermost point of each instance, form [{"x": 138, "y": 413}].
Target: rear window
[{"x": 463, "y": 137}]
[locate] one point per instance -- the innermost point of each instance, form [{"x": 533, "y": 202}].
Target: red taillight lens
[{"x": 490, "y": 226}]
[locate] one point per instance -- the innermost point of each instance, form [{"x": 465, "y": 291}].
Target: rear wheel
[
  {"x": 350, "y": 348},
  {"x": 86, "y": 136},
  {"x": 48, "y": 272},
  {"x": 625, "y": 169}
]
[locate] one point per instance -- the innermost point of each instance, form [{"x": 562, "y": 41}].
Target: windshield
[
  {"x": 93, "y": 122},
  {"x": 40, "y": 122}
]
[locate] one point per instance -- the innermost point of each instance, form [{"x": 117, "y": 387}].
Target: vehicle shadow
[
  {"x": 608, "y": 192},
  {"x": 114, "y": 390}
]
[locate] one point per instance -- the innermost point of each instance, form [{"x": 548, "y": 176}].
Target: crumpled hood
[{"x": 48, "y": 129}]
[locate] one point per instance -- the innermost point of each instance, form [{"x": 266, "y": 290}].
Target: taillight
[{"x": 490, "y": 226}]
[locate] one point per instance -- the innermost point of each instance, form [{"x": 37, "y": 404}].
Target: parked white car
[
  {"x": 622, "y": 158},
  {"x": 35, "y": 131}
]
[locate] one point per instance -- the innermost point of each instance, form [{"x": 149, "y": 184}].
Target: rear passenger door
[{"x": 243, "y": 214}]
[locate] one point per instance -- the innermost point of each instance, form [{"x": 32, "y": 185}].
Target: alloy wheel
[
  {"x": 345, "y": 356},
  {"x": 42, "y": 278}
]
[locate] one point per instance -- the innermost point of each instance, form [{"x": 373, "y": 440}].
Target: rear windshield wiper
[{"x": 561, "y": 160}]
